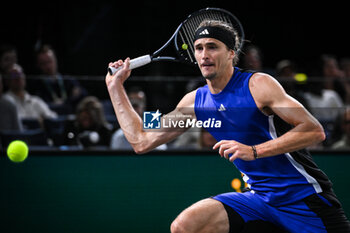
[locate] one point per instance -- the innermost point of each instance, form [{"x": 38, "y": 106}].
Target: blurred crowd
[{"x": 51, "y": 110}]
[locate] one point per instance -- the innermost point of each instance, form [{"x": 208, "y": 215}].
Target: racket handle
[{"x": 134, "y": 63}]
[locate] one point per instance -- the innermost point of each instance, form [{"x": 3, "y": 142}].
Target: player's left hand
[{"x": 238, "y": 150}]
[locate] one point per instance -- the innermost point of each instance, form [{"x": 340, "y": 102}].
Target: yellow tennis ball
[
  {"x": 184, "y": 46},
  {"x": 236, "y": 184},
  {"x": 17, "y": 151},
  {"x": 300, "y": 78}
]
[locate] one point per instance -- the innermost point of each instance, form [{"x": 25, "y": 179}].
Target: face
[
  {"x": 85, "y": 120},
  {"x": 16, "y": 78},
  {"x": 213, "y": 57},
  {"x": 47, "y": 63},
  {"x": 330, "y": 68},
  {"x": 7, "y": 60},
  {"x": 252, "y": 60}
]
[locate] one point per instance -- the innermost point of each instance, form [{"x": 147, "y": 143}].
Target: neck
[
  {"x": 19, "y": 93},
  {"x": 218, "y": 83}
]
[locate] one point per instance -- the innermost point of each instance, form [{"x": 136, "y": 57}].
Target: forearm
[
  {"x": 298, "y": 138},
  {"x": 129, "y": 121}
]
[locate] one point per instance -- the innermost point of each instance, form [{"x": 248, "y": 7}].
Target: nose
[{"x": 204, "y": 54}]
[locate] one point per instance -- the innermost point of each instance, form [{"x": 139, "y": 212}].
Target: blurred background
[{"x": 86, "y": 36}]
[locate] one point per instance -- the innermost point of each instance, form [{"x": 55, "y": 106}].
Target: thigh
[
  {"x": 247, "y": 205},
  {"x": 237, "y": 224},
  {"x": 207, "y": 215},
  {"x": 254, "y": 215}
]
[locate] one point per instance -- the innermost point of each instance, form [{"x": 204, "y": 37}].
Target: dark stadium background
[{"x": 87, "y": 35}]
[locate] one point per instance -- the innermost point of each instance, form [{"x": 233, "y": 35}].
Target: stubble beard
[{"x": 210, "y": 76}]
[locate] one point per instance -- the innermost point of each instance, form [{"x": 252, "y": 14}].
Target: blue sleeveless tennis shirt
[{"x": 277, "y": 180}]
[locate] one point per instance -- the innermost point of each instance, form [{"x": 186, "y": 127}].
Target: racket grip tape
[{"x": 134, "y": 63}]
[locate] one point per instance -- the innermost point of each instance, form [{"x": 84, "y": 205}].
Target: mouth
[{"x": 207, "y": 65}]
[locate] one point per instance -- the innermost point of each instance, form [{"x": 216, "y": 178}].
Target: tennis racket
[{"x": 182, "y": 39}]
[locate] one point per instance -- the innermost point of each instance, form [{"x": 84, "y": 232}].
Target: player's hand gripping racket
[{"x": 183, "y": 38}]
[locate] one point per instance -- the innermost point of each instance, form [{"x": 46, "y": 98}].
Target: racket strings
[
  {"x": 184, "y": 42},
  {"x": 188, "y": 31}
]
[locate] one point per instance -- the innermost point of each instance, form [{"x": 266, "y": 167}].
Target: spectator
[
  {"x": 252, "y": 59},
  {"x": 344, "y": 142},
  {"x": 286, "y": 69},
  {"x": 286, "y": 73},
  {"x": 331, "y": 68},
  {"x": 188, "y": 140},
  {"x": 345, "y": 67},
  {"x": 28, "y": 106},
  {"x": 9, "y": 119},
  {"x": 324, "y": 101},
  {"x": 138, "y": 100},
  {"x": 333, "y": 76},
  {"x": 90, "y": 127},
  {"x": 8, "y": 57},
  {"x": 324, "y": 104},
  {"x": 61, "y": 93}
]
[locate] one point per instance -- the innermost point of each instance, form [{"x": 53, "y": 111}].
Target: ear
[{"x": 231, "y": 54}]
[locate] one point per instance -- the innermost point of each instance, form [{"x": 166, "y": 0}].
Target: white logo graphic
[
  {"x": 222, "y": 108},
  {"x": 156, "y": 115},
  {"x": 204, "y": 32},
  {"x": 151, "y": 120}
]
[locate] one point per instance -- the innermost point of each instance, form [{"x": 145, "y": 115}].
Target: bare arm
[
  {"x": 306, "y": 131},
  {"x": 131, "y": 123},
  {"x": 271, "y": 98}
]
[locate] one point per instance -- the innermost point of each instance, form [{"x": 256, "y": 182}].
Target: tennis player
[{"x": 264, "y": 132}]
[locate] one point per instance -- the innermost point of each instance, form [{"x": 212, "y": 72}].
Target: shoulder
[
  {"x": 262, "y": 80},
  {"x": 36, "y": 99},
  {"x": 332, "y": 97},
  {"x": 7, "y": 104},
  {"x": 265, "y": 89},
  {"x": 118, "y": 133},
  {"x": 327, "y": 93},
  {"x": 10, "y": 98},
  {"x": 188, "y": 100},
  {"x": 186, "y": 104},
  {"x": 7, "y": 96}
]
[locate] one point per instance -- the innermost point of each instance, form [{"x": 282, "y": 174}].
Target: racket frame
[{"x": 145, "y": 59}]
